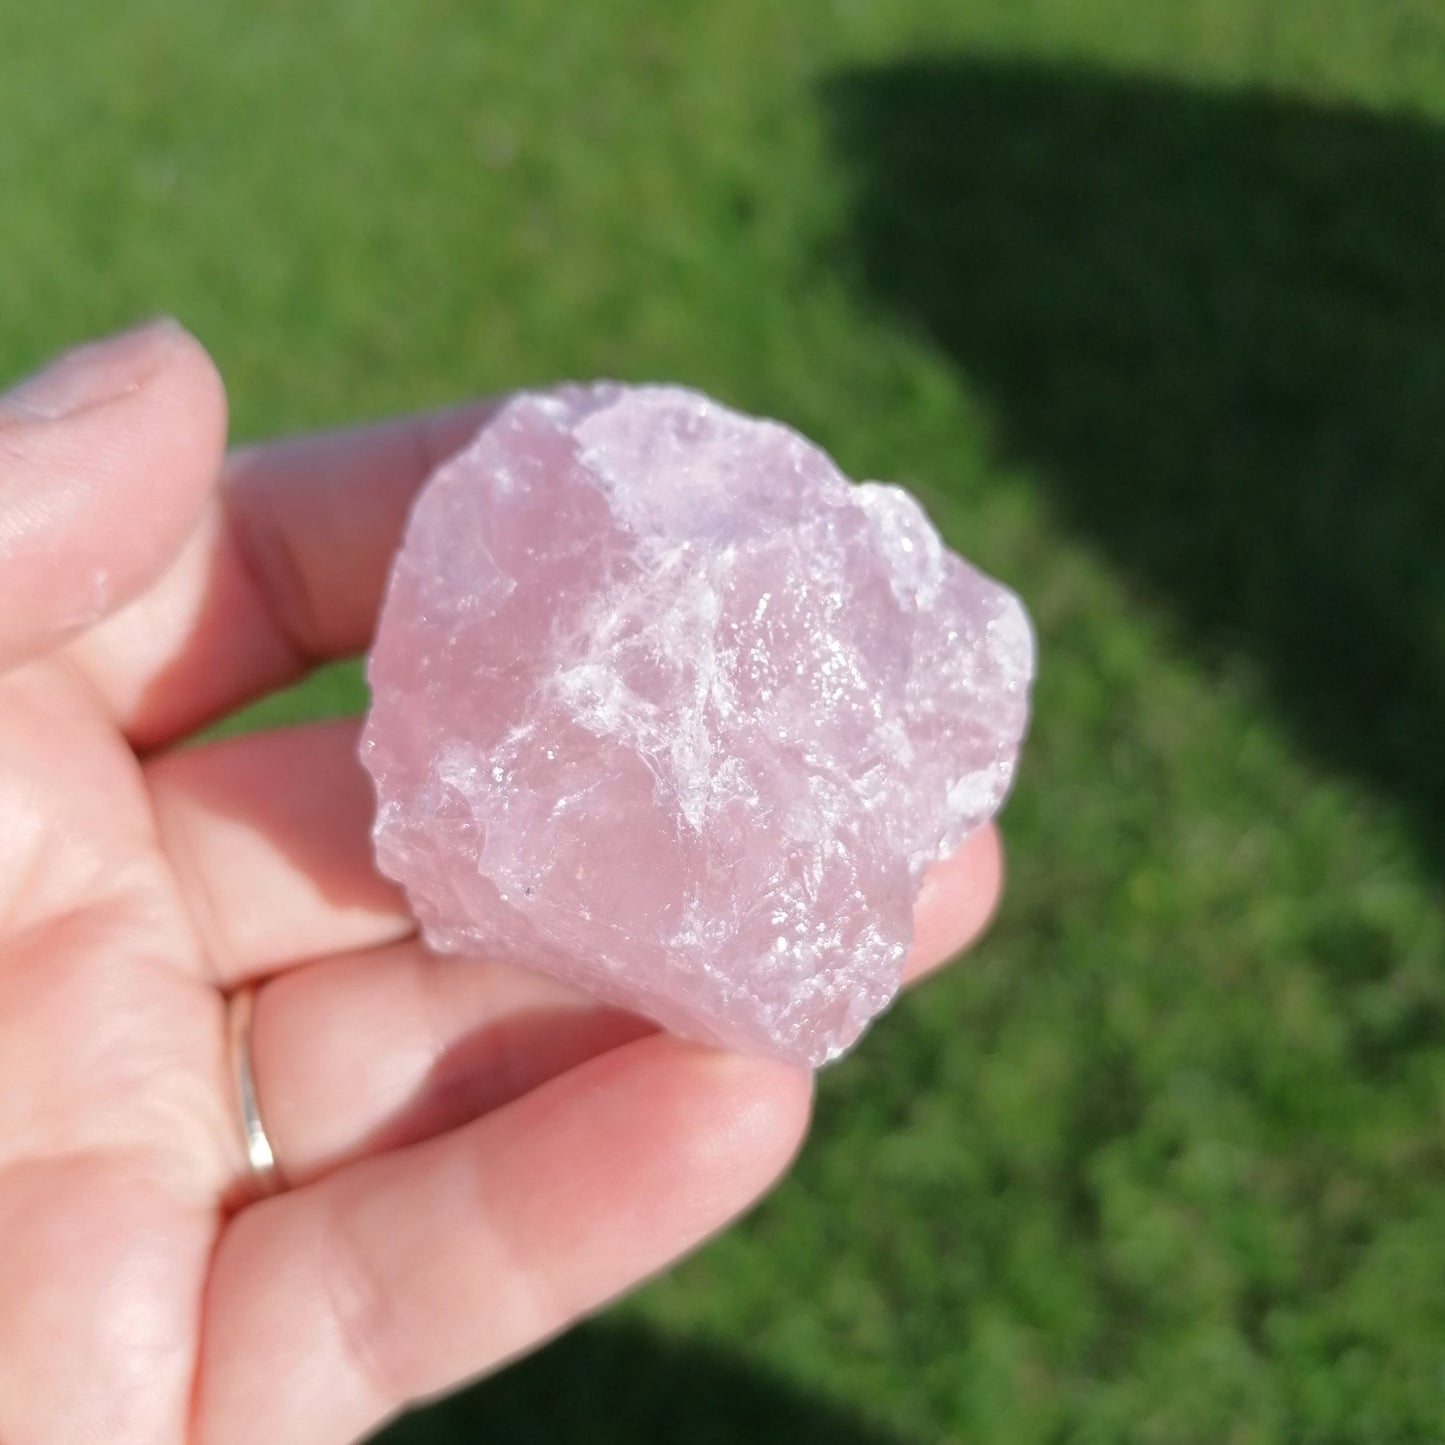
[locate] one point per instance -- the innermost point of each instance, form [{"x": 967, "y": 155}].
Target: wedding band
[{"x": 265, "y": 1172}]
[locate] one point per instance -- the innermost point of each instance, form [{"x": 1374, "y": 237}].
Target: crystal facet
[{"x": 665, "y": 706}]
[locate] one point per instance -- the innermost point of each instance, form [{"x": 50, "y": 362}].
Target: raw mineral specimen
[{"x": 666, "y": 706}]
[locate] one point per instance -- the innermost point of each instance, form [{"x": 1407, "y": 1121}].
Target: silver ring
[{"x": 266, "y": 1177}]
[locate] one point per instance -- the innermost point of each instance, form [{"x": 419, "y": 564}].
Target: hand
[{"x": 474, "y": 1155}]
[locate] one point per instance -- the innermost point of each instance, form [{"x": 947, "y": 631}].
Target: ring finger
[{"x": 368, "y": 1052}]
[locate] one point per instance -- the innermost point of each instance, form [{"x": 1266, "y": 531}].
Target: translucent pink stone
[{"x": 666, "y": 706}]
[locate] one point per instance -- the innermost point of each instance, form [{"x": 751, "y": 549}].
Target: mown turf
[{"x": 1146, "y": 301}]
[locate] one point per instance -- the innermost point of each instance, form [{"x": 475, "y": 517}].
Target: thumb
[{"x": 106, "y": 458}]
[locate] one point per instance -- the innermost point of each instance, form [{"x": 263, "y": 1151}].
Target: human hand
[{"x": 474, "y": 1155}]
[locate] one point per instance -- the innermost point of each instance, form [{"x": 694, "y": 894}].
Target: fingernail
[{"x": 97, "y": 372}]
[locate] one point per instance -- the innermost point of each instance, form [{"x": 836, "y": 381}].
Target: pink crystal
[{"x": 667, "y": 707}]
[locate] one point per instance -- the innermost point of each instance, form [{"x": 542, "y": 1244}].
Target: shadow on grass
[
  {"x": 614, "y": 1383},
  {"x": 1214, "y": 324}
]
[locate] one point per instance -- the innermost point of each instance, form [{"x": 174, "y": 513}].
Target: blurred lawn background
[{"x": 1147, "y": 301}]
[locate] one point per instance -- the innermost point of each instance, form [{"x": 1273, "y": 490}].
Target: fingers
[
  {"x": 331, "y": 1307},
  {"x": 366, "y": 1052},
  {"x": 106, "y": 458},
  {"x": 286, "y": 569},
  {"x": 269, "y": 835},
  {"x": 597, "y": 1157}
]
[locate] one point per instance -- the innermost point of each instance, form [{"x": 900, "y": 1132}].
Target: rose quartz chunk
[{"x": 665, "y": 706}]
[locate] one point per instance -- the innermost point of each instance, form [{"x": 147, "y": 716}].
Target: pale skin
[{"x": 475, "y": 1156}]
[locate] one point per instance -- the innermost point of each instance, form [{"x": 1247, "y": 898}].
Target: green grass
[{"x": 1147, "y": 301}]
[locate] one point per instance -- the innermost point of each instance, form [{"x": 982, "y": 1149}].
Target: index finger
[{"x": 285, "y": 570}]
